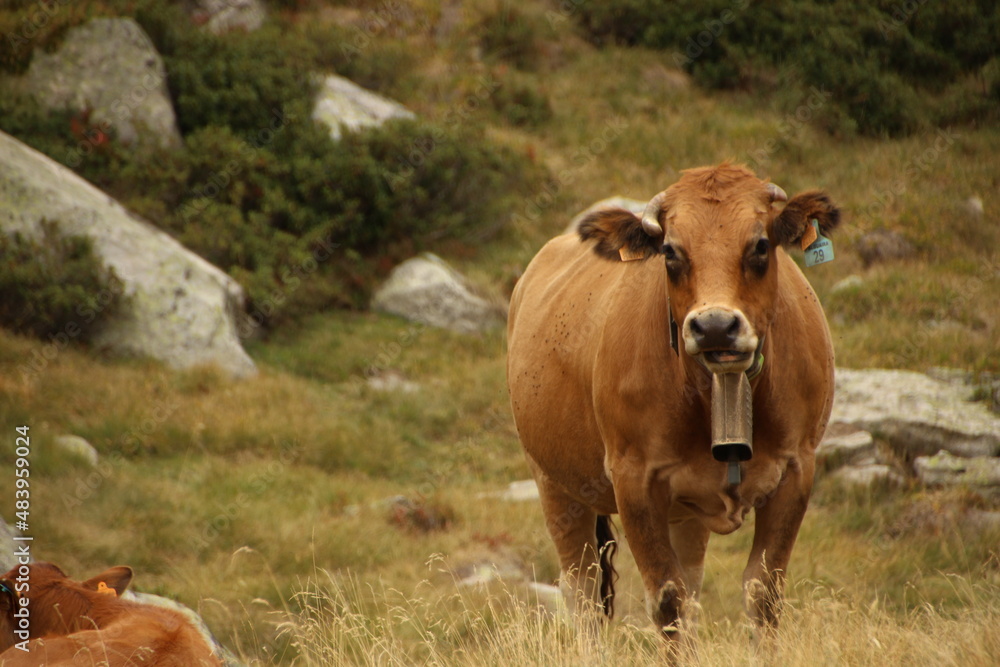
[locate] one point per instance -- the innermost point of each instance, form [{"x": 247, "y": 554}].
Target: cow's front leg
[
  {"x": 777, "y": 528},
  {"x": 644, "y": 520}
]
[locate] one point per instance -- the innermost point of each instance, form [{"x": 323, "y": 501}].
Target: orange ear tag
[
  {"x": 103, "y": 589},
  {"x": 809, "y": 237}
]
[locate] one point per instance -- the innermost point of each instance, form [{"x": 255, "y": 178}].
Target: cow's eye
[
  {"x": 669, "y": 252},
  {"x": 763, "y": 245}
]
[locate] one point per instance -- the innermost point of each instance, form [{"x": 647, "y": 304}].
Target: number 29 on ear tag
[{"x": 820, "y": 250}]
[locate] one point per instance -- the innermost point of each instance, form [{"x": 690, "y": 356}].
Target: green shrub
[
  {"x": 260, "y": 189},
  {"x": 884, "y": 63},
  {"x": 512, "y": 35},
  {"x": 54, "y": 284},
  {"x": 521, "y": 102}
]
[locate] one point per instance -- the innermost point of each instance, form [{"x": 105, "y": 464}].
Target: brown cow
[
  {"x": 86, "y": 623},
  {"x": 615, "y": 421}
]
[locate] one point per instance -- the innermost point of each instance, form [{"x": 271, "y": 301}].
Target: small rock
[
  {"x": 869, "y": 475},
  {"x": 883, "y": 245},
  {"x": 852, "y": 282},
  {"x": 426, "y": 289},
  {"x": 549, "y": 597},
  {"x": 343, "y": 104},
  {"x": 392, "y": 381},
  {"x": 77, "y": 446},
  {"x": 520, "y": 491},
  {"x": 844, "y": 446},
  {"x": 8, "y": 547},
  {"x": 634, "y": 205},
  {"x": 974, "y": 205},
  {"x": 108, "y": 71},
  {"x": 221, "y": 16},
  {"x": 945, "y": 469}
]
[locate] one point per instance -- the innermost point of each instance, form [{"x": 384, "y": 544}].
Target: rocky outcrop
[
  {"x": 426, "y": 289},
  {"x": 928, "y": 427},
  {"x": 915, "y": 414},
  {"x": 179, "y": 308},
  {"x": 342, "y": 104},
  {"x": 108, "y": 72}
]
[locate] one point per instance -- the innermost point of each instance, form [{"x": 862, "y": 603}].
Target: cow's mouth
[{"x": 725, "y": 356}]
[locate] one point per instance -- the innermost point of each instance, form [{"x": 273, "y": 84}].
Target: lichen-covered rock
[
  {"x": 342, "y": 104},
  {"x": 220, "y": 16},
  {"x": 633, "y": 205},
  {"x": 179, "y": 308},
  {"x": 915, "y": 414},
  {"x": 846, "y": 446},
  {"x": 944, "y": 469},
  {"x": 108, "y": 71},
  {"x": 426, "y": 289},
  {"x": 869, "y": 475}
]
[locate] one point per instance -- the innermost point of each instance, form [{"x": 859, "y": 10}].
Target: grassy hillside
[{"x": 267, "y": 504}]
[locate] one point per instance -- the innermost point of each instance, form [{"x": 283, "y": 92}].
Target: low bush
[
  {"x": 54, "y": 284},
  {"x": 260, "y": 189},
  {"x": 885, "y": 63}
]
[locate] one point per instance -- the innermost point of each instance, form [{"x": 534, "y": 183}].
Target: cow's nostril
[
  {"x": 696, "y": 328},
  {"x": 734, "y": 328}
]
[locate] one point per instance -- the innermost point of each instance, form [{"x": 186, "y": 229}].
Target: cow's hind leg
[{"x": 585, "y": 545}]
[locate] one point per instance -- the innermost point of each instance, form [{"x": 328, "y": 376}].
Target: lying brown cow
[
  {"x": 615, "y": 421},
  {"x": 86, "y": 623}
]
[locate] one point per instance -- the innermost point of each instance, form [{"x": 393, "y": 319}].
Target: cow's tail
[{"x": 607, "y": 547}]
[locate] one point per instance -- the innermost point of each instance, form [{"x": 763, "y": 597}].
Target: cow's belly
[{"x": 703, "y": 493}]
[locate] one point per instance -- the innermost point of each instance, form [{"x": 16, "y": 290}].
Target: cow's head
[
  {"x": 56, "y": 604},
  {"x": 718, "y": 230}
]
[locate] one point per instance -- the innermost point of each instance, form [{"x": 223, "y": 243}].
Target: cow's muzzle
[{"x": 720, "y": 338}]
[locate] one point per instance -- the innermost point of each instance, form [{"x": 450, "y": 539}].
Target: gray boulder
[
  {"x": 883, "y": 245},
  {"x": 426, "y": 289},
  {"x": 78, "y": 447},
  {"x": 342, "y": 104},
  {"x": 109, "y": 69},
  {"x": 915, "y": 414},
  {"x": 980, "y": 473},
  {"x": 7, "y": 547},
  {"x": 221, "y": 16},
  {"x": 180, "y": 309},
  {"x": 633, "y": 205}
]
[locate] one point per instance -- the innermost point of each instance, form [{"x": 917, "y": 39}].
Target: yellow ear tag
[
  {"x": 630, "y": 255},
  {"x": 103, "y": 589}
]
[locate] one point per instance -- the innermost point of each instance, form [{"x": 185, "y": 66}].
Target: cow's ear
[
  {"x": 619, "y": 235},
  {"x": 117, "y": 578},
  {"x": 800, "y": 210}
]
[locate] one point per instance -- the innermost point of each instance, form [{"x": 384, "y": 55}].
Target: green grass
[{"x": 263, "y": 503}]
